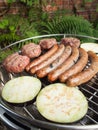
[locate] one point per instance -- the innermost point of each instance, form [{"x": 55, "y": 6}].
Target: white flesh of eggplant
[
  {"x": 21, "y": 89},
  {"x": 90, "y": 47},
  {"x": 59, "y": 103}
]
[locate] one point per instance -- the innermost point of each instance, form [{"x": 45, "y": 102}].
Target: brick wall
[
  {"x": 3, "y": 7},
  {"x": 15, "y": 8},
  {"x": 87, "y": 12}
]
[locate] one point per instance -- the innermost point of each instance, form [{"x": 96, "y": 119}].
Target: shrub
[{"x": 68, "y": 25}]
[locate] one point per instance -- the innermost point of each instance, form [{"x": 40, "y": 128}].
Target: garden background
[{"x": 20, "y": 19}]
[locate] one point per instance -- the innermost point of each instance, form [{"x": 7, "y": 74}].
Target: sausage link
[
  {"x": 76, "y": 68},
  {"x": 44, "y": 71},
  {"x": 86, "y": 74},
  {"x": 42, "y": 57},
  {"x": 49, "y": 60},
  {"x": 52, "y": 76}
]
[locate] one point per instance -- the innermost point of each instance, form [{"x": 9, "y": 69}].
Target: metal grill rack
[{"x": 28, "y": 112}]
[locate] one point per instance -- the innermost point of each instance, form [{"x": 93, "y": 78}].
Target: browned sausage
[
  {"x": 49, "y": 60},
  {"x": 78, "y": 67},
  {"x": 86, "y": 74},
  {"x": 52, "y": 76},
  {"x": 44, "y": 71},
  {"x": 42, "y": 57}
]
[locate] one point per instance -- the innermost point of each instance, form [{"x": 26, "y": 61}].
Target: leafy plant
[
  {"x": 3, "y": 24},
  {"x": 96, "y": 29},
  {"x": 68, "y": 25},
  {"x": 11, "y": 1},
  {"x": 15, "y": 27},
  {"x": 88, "y": 1},
  {"x": 97, "y": 8},
  {"x": 36, "y": 14},
  {"x": 8, "y": 31}
]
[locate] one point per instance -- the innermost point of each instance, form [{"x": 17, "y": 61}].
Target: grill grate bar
[
  {"x": 92, "y": 101},
  {"x": 96, "y": 77},
  {"x": 93, "y": 81},
  {"x": 89, "y": 89},
  {"x": 2, "y": 83},
  {"x": 93, "y": 94},
  {"x": 92, "y": 87},
  {"x": 93, "y": 111},
  {"x": 91, "y": 119},
  {"x": 28, "y": 113},
  {"x": 82, "y": 123}
]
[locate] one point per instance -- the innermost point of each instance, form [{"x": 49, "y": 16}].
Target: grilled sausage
[
  {"x": 49, "y": 60},
  {"x": 44, "y": 71},
  {"x": 52, "y": 76},
  {"x": 86, "y": 74},
  {"x": 78, "y": 67},
  {"x": 42, "y": 57}
]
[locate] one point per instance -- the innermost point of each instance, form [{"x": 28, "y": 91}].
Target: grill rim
[
  {"x": 49, "y": 35},
  {"x": 40, "y": 123},
  {"x": 68, "y": 127}
]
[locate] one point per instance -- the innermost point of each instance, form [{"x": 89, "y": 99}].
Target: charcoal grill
[{"x": 26, "y": 116}]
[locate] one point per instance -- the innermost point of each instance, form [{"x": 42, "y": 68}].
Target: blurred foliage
[
  {"x": 96, "y": 30},
  {"x": 11, "y": 1},
  {"x": 88, "y": 0},
  {"x": 36, "y": 14},
  {"x": 67, "y": 25},
  {"x": 4, "y": 54},
  {"x": 14, "y": 27},
  {"x": 27, "y": 2}
]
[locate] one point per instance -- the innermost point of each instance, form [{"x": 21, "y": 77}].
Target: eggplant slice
[
  {"x": 59, "y": 103},
  {"x": 21, "y": 89},
  {"x": 90, "y": 47}
]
